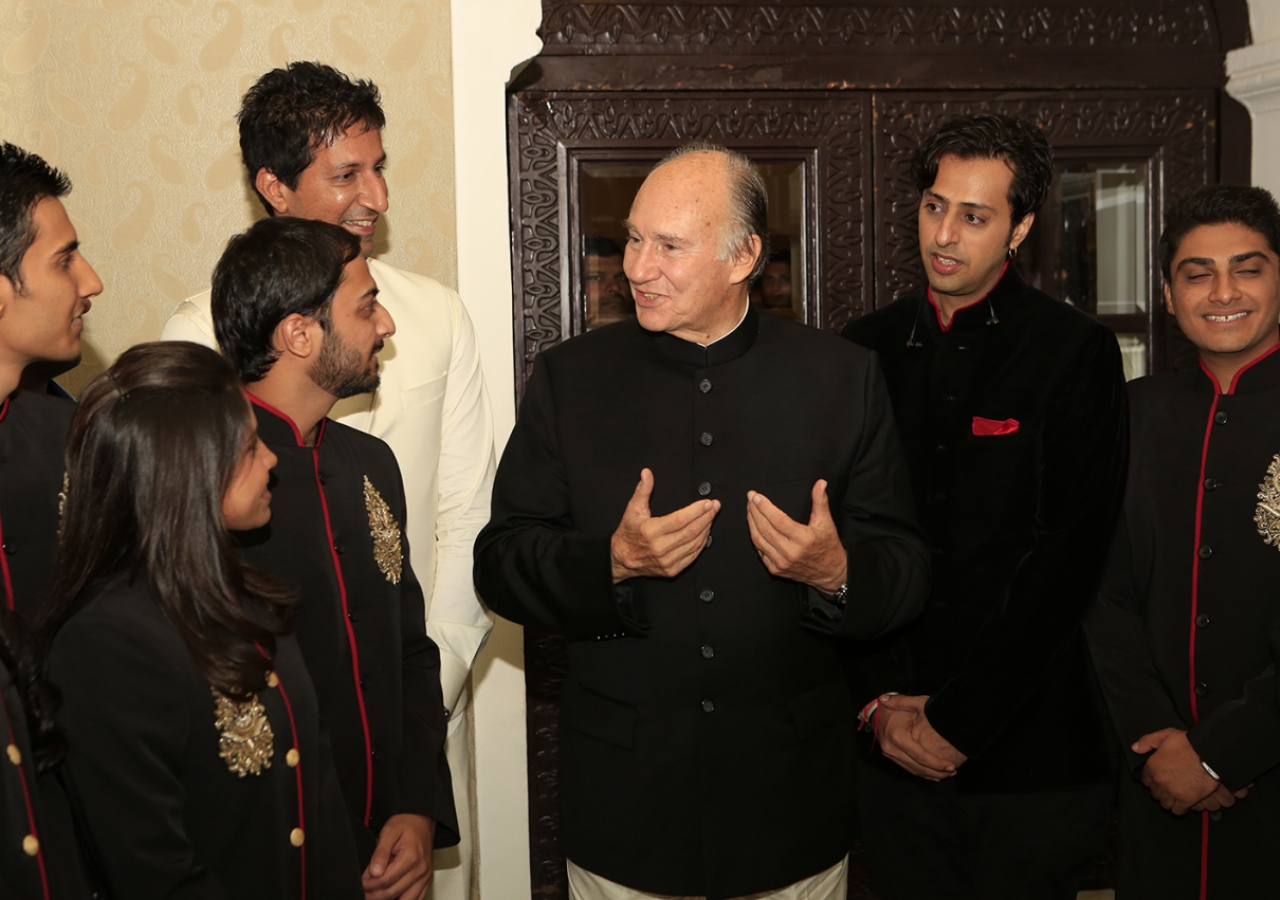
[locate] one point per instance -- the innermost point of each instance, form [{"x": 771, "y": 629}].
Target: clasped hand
[
  {"x": 663, "y": 546},
  {"x": 907, "y": 738},
  {"x": 1176, "y": 777}
]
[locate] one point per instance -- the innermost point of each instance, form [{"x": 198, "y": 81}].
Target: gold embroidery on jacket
[
  {"x": 385, "y": 532},
  {"x": 246, "y": 743},
  {"x": 1267, "y": 516}
]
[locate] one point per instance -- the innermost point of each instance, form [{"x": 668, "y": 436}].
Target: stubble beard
[{"x": 341, "y": 371}]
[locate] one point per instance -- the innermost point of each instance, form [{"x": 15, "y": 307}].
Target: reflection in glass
[
  {"x": 1089, "y": 247},
  {"x": 606, "y": 190}
]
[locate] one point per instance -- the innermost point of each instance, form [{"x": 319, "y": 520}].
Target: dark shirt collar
[
  {"x": 276, "y": 428},
  {"x": 1260, "y": 375},
  {"x": 1002, "y": 301},
  {"x": 728, "y": 348}
]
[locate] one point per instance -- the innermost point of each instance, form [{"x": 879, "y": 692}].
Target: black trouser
[{"x": 928, "y": 841}]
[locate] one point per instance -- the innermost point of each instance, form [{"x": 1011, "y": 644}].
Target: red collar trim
[
  {"x": 297, "y": 435},
  {"x": 1236, "y": 378},
  {"x": 4, "y": 410},
  {"x": 937, "y": 311}
]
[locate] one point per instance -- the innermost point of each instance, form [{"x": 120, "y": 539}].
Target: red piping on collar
[
  {"x": 297, "y": 435},
  {"x": 26, "y": 799},
  {"x": 937, "y": 310},
  {"x": 1235, "y": 379}
]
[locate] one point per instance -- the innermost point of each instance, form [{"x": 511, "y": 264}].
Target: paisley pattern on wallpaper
[{"x": 136, "y": 99}]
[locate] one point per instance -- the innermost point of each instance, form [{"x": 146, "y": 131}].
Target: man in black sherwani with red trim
[
  {"x": 994, "y": 779},
  {"x": 1180, "y": 633}
]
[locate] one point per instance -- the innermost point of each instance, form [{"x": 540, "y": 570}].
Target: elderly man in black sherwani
[
  {"x": 705, "y": 724},
  {"x": 1180, "y": 634},
  {"x": 995, "y": 780}
]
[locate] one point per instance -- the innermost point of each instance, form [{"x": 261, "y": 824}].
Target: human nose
[
  {"x": 1225, "y": 289},
  {"x": 268, "y": 457},
  {"x": 88, "y": 282},
  {"x": 946, "y": 233},
  {"x": 638, "y": 263},
  {"x": 373, "y": 192},
  {"x": 386, "y": 324}
]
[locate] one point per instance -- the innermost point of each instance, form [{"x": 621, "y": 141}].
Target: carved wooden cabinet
[{"x": 845, "y": 92}]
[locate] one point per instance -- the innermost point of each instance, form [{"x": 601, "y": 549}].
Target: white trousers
[
  {"x": 453, "y": 864},
  {"x": 829, "y": 885}
]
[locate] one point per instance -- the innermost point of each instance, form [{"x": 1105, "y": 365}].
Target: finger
[
  {"x": 381, "y": 858},
  {"x": 820, "y": 514},
  {"x": 685, "y": 517},
  {"x": 775, "y": 518},
  {"x": 639, "y": 503},
  {"x": 406, "y": 886},
  {"x": 902, "y": 702},
  {"x": 1242, "y": 793}
]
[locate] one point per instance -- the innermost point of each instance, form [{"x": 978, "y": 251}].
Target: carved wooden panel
[
  {"x": 1175, "y": 131},
  {"x": 752, "y": 28},
  {"x": 547, "y": 128}
]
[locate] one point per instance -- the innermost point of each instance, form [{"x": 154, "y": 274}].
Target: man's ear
[
  {"x": 1168, "y": 299},
  {"x": 1020, "y": 231},
  {"x": 273, "y": 189},
  {"x": 7, "y": 293},
  {"x": 745, "y": 259},
  {"x": 297, "y": 336}
]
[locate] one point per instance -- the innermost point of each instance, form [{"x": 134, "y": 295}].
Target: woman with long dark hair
[{"x": 193, "y": 737}]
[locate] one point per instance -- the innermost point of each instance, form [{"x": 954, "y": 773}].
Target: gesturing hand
[
  {"x": 1173, "y": 772},
  {"x": 810, "y": 554},
  {"x": 907, "y": 738},
  {"x": 401, "y": 867},
  {"x": 663, "y": 546}
]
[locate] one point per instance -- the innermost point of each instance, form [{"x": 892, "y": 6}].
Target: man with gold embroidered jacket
[
  {"x": 1180, "y": 632},
  {"x": 992, "y": 777},
  {"x": 296, "y": 311}
]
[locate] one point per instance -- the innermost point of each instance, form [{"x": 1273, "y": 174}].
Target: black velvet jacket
[
  {"x": 168, "y": 815},
  {"x": 1180, "y": 633},
  {"x": 33, "y": 437},
  {"x": 336, "y": 537},
  {"x": 1014, "y": 424},
  {"x": 704, "y": 720}
]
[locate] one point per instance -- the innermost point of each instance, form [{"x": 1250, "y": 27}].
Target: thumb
[
  {"x": 382, "y": 853},
  {"x": 639, "y": 504},
  {"x": 821, "y": 512},
  {"x": 1148, "y": 742}
]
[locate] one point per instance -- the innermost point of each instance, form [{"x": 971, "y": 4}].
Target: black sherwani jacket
[
  {"x": 166, "y": 812},
  {"x": 33, "y": 436},
  {"x": 1180, "y": 631},
  {"x": 336, "y": 537},
  {"x": 704, "y": 720},
  {"x": 1019, "y": 523}
]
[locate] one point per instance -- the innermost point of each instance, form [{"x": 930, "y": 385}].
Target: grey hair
[{"x": 748, "y": 202}]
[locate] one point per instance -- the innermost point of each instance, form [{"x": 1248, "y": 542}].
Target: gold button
[
  {"x": 272, "y": 680},
  {"x": 30, "y": 845},
  {"x": 15, "y": 755},
  {"x": 296, "y": 837},
  {"x": 292, "y": 757}
]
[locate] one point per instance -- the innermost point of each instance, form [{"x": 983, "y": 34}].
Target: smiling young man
[
  {"x": 311, "y": 139},
  {"x": 297, "y": 313},
  {"x": 705, "y": 721},
  {"x": 45, "y": 290},
  {"x": 1180, "y": 631},
  {"x": 990, "y": 775}
]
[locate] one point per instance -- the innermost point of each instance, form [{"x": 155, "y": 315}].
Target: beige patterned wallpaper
[{"x": 136, "y": 99}]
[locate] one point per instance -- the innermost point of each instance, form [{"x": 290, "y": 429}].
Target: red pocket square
[{"x": 991, "y": 427}]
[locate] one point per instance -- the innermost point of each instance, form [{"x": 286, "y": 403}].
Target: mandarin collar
[
  {"x": 1260, "y": 375},
  {"x": 276, "y": 428},
  {"x": 728, "y": 348},
  {"x": 1002, "y": 300}
]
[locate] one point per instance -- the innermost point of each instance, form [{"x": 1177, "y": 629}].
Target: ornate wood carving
[
  {"x": 762, "y": 28},
  {"x": 547, "y": 127}
]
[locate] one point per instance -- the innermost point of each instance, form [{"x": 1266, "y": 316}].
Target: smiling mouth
[
  {"x": 360, "y": 223},
  {"x": 1227, "y": 317}
]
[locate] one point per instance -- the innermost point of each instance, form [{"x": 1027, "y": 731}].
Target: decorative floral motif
[
  {"x": 1267, "y": 516},
  {"x": 385, "y": 531},
  {"x": 247, "y": 742}
]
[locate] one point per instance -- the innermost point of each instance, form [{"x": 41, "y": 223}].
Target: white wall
[
  {"x": 1254, "y": 79},
  {"x": 490, "y": 37}
]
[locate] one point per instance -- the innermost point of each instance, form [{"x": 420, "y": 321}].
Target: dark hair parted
[
  {"x": 25, "y": 180},
  {"x": 748, "y": 202},
  {"x": 289, "y": 113},
  {"x": 153, "y": 445},
  {"x": 23, "y": 656},
  {"x": 1218, "y": 204},
  {"x": 278, "y": 267},
  {"x": 1015, "y": 142}
]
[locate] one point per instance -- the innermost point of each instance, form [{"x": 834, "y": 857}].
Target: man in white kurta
[{"x": 431, "y": 406}]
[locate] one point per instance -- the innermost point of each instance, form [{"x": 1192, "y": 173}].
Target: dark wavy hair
[
  {"x": 1218, "y": 204},
  {"x": 25, "y": 180},
  {"x": 291, "y": 112},
  {"x": 153, "y": 446},
  {"x": 24, "y": 657},
  {"x": 1015, "y": 142},
  {"x": 278, "y": 267}
]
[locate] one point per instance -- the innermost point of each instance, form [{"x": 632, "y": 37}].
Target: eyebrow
[
  {"x": 69, "y": 247},
  {"x": 372, "y": 292},
  {"x": 968, "y": 204},
  {"x": 1207, "y": 261},
  {"x": 355, "y": 164}
]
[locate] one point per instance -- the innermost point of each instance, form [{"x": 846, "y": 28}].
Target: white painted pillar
[{"x": 489, "y": 39}]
